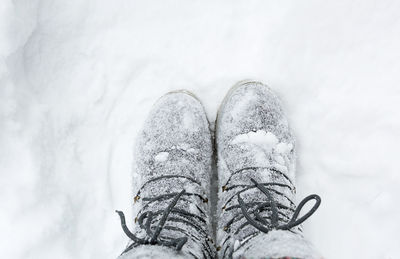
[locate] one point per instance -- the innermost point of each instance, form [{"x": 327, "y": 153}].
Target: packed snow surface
[
  {"x": 268, "y": 144},
  {"x": 161, "y": 157},
  {"x": 265, "y": 140},
  {"x": 78, "y": 77}
]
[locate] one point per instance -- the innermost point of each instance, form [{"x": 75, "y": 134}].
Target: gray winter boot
[
  {"x": 256, "y": 167},
  {"x": 171, "y": 182}
]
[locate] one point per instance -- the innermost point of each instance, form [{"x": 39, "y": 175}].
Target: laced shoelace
[
  {"x": 171, "y": 213},
  {"x": 153, "y": 236},
  {"x": 260, "y": 222},
  {"x": 264, "y": 223}
]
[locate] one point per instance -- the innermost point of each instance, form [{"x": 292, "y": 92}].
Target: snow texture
[{"x": 78, "y": 78}]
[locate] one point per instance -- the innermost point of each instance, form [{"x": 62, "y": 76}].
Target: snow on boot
[
  {"x": 171, "y": 181},
  {"x": 256, "y": 167}
]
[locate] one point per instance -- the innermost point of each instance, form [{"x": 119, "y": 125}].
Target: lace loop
[{"x": 294, "y": 221}]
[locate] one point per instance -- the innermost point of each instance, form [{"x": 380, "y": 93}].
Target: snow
[
  {"x": 161, "y": 157},
  {"x": 268, "y": 144},
  {"x": 236, "y": 245},
  {"x": 78, "y": 77},
  {"x": 283, "y": 148},
  {"x": 265, "y": 140}
]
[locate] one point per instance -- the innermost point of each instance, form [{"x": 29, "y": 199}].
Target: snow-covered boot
[
  {"x": 256, "y": 170},
  {"x": 171, "y": 182}
]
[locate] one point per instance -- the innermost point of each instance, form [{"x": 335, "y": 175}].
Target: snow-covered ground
[{"x": 78, "y": 77}]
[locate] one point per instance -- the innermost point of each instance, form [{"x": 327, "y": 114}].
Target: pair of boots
[{"x": 256, "y": 213}]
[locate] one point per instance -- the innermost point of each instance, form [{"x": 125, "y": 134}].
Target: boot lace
[
  {"x": 148, "y": 220},
  {"x": 261, "y": 224},
  {"x": 251, "y": 211}
]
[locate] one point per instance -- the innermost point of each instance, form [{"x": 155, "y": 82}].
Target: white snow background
[{"x": 78, "y": 77}]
